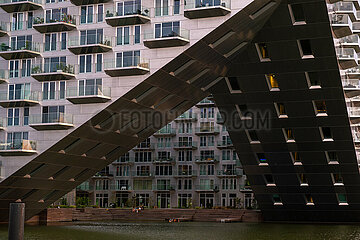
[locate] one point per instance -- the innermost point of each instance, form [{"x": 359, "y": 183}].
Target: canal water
[{"x": 188, "y": 231}]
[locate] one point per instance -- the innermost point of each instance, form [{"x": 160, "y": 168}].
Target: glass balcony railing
[
  {"x": 164, "y": 160},
  {"x": 207, "y": 130},
  {"x": 53, "y": 67},
  {"x": 90, "y": 39},
  {"x": 124, "y": 160},
  {"x": 351, "y": 83},
  {"x": 230, "y": 172},
  {"x": 346, "y": 53},
  {"x": 128, "y": 10},
  {"x": 353, "y": 39},
  {"x": 126, "y": 62},
  {"x": 17, "y": 1},
  {"x": 190, "y": 4},
  {"x": 145, "y": 146},
  {"x": 166, "y": 131},
  {"x": 185, "y": 144},
  {"x": 187, "y": 116},
  {"x": 343, "y": 7},
  {"x": 142, "y": 174},
  {"x": 5, "y": 26},
  {"x": 51, "y": 118},
  {"x": 225, "y": 143},
  {"x": 206, "y": 187},
  {"x": 167, "y": 33},
  {"x": 20, "y": 144},
  {"x": 60, "y": 18},
  {"x": 207, "y": 158},
  {"x": 340, "y": 19},
  {"x": 85, "y": 187},
  {"x": 21, "y": 45},
  {"x": 88, "y": 91},
  {"x": 19, "y": 95},
  {"x": 163, "y": 187},
  {"x": 119, "y": 187},
  {"x": 186, "y": 173}
]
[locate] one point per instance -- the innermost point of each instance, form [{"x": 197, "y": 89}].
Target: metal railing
[
  {"x": 92, "y": 90},
  {"x": 56, "y": 117},
  {"x": 207, "y": 130},
  {"x": 167, "y": 33},
  {"x": 20, "y": 144},
  {"x": 19, "y": 95},
  {"x": 126, "y": 62},
  {"x": 190, "y": 4}
]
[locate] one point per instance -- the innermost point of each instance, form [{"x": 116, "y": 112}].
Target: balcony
[
  {"x": 4, "y": 29},
  {"x": 89, "y": 94},
  {"x": 352, "y": 41},
  {"x": 230, "y": 173},
  {"x": 185, "y": 145},
  {"x": 203, "y": 9},
  {"x": 51, "y": 121},
  {"x": 207, "y": 159},
  {"x": 4, "y": 76},
  {"x": 121, "y": 188},
  {"x": 89, "y": 44},
  {"x": 18, "y": 148},
  {"x": 351, "y": 87},
  {"x": 103, "y": 174},
  {"x": 20, "y": 51},
  {"x": 131, "y": 66},
  {"x": 144, "y": 146},
  {"x": 188, "y": 116},
  {"x": 354, "y": 114},
  {"x": 61, "y": 24},
  {"x": 207, "y": 188},
  {"x": 88, "y": 2},
  {"x": 124, "y": 161},
  {"x": 142, "y": 174},
  {"x": 344, "y": 7},
  {"x": 347, "y": 58},
  {"x": 163, "y": 145},
  {"x": 225, "y": 144},
  {"x": 165, "y": 132},
  {"x": 185, "y": 173},
  {"x": 130, "y": 15},
  {"x": 52, "y": 72},
  {"x": 353, "y": 73},
  {"x": 167, "y": 160},
  {"x": 84, "y": 187},
  {"x": 341, "y": 25},
  {"x": 19, "y": 98},
  {"x": 205, "y": 102},
  {"x": 219, "y": 119},
  {"x": 11, "y": 6},
  {"x": 207, "y": 130},
  {"x": 3, "y": 124},
  {"x": 168, "y": 38},
  {"x": 163, "y": 188}
]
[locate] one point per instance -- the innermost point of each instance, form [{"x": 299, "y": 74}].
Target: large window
[
  {"x": 14, "y": 68},
  {"x": 123, "y": 35},
  {"x": 53, "y": 64},
  {"x": 163, "y": 170},
  {"x": 142, "y": 185},
  {"x": 19, "y": 21},
  {"x": 55, "y": 15},
  {"x": 50, "y": 42},
  {"x": 128, "y": 7},
  {"x": 53, "y": 114},
  {"x": 92, "y": 14},
  {"x": 21, "y": 42},
  {"x": 94, "y": 36},
  {"x": 143, "y": 156},
  {"x": 167, "y": 29},
  {"x": 185, "y": 200},
  {"x": 185, "y": 156},
  {"x": 90, "y": 87},
  {"x": 161, "y": 7},
  {"x": 13, "y": 117},
  {"x": 19, "y": 91},
  {"x": 127, "y": 59},
  {"x": 14, "y": 139}
]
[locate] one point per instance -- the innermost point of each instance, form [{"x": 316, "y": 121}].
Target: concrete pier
[{"x": 16, "y": 221}]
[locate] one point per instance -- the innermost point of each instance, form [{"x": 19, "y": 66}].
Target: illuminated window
[
  {"x": 309, "y": 199},
  {"x": 289, "y": 135},
  {"x": 262, "y": 159},
  {"x": 296, "y": 158},
  {"x": 320, "y": 108},
  {"x": 280, "y": 108},
  {"x": 303, "y": 180},
  {"x": 263, "y": 51},
  {"x": 337, "y": 179},
  {"x": 342, "y": 199},
  {"x": 272, "y": 81}
]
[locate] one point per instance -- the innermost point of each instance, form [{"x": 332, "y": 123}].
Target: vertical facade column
[{"x": 16, "y": 221}]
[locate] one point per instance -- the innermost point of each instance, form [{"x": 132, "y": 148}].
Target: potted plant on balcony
[
  {"x": 35, "y": 70},
  {"x": 108, "y": 14}
]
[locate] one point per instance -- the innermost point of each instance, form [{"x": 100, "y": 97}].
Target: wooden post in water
[{"x": 16, "y": 221}]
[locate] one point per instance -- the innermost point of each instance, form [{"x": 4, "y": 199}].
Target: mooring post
[{"x": 16, "y": 221}]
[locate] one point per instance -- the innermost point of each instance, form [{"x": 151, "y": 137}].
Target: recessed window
[
  {"x": 305, "y": 48},
  {"x": 297, "y": 14},
  {"x": 262, "y": 159},
  {"x": 296, "y": 158},
  {"x": 280, "y": 108},
  {"x": 269, "y": 179},
  {"x": 263, "y": 51},
  {"x": 320, "y": 108},
  {"x": 342, "y": 199},
  {"x": 313, "y": 80},
  {"x": 289, "y": 135},
  {"x": 252, "y": 136},
  {"x": 303, "y": 180},
  {"x": 243, "y": 112},
  {"x": 337, "y": 179},
  {"x": 309, "y": 199},
  {"x": 233, "y": 84},
  {"x": 332, "y": 157},
  {"x": 277, "y": 199},
  {"x": 272, "y": 82},
  {"x": 326, "y": 134}
]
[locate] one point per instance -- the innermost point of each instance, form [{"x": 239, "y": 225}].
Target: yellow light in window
[{"x": 273, "y": 82}]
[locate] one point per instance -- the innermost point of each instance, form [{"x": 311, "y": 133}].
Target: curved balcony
[
  {"x": 89, "y": 44},
  {"x": 89, "y": 94},
  {"x": 18, "y": 148},
  {"x": 341, "y": 25},
  {"x": 131, "y": 15},
  {"x": 62, "y": 23},
  {"x": 131, "y": 66},
  {"x": 23, "y": 49},
  {"x": 19, "y": 98},
  {"x": 52, "y": 72},
  {"x": 51, "y": 121},
  {"x": 168, "y": 38},
  {"x": 206, "y": 8},
  {"x": 11, "y": 6}
]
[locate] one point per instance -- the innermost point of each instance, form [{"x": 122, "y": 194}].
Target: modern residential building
[
  {"x": 189, "y": 163},
  {"x": 90, "y": 80}
]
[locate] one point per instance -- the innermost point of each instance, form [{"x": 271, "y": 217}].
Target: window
[
  {"x": 49, "y": 89},
  {"x": 123, "y": 36},
  {"x": 15, "y": 139},
  {"x": 320, "y": 108},
  {"x": 87, "y": 14},
  {"x": 14, "y": 68},
  {"x": 99, "y": 62},
  {"x": 26, "y": 116},
  {"x": 303, "y": 181},
  {"x": 337, "y": 179},
  {"x": 184, "y": 200},
  {"x": 165, "y": 170},
  {"x": 269, "y": 180},
  {"x": 17, "y": 21},
  {"x": 342, "y": 199},
  {"x": 63, "y": 40},
  {"x": 289, "y": 135},
  {"x": 243, "y": 112},
  {"x": 228, "y": 184},
  {"x": 13, "y": 117},
  {"x": 207, "y": 169},
  {"x": 100, "y": 13},
  {"x": 326, "y": 134},
  {"x": 176, "y": 7},
  {"x": 309, "y": 200},
  {"x": 102, "y": 199},
  {"x": 122, "y": 171},
  {"x": 252, "y": 136},
  {"x": 127, "y": 59},
  {"x": 54, "y": 64},
  {"x": 19, "y": 91},
  {"x": 185, "y": 170},
  {"x": 207, "y": 155},
  {"x": 167, "y": 29},
  {"x": 26, "y": 68},
  {"x": 90, "y": 87},
  {"x": 263, "y": 51},
  {"x": 276, "y": 199},
  {"x": 52, "y": 114},
  {"x": 233, "y": 84},
  {"x": 185, "y": 156},
  {"x": 85, "y": 63},
  {"x": 137, "y": 34},
  {"x": 332, "y": 157},
  {"x": 143, "y": 156},
  {"x": 305, "y": 48},
  {"x": 297, "y": 14},
  {"x": 226, "y": 155},
  {"x": 295, "y": 156},
  {"x": 93, "y": 36},
  {"x": 21, "y": 42},
  {"x": 313, "y": 80},
  {"x": 55, "y": 15},
  {"x": 161, "y": 7},
  {"x": 50, "y": 42},
  {"x": 262, "y": 159},
  {"x": 272, "y": 82},
  {"x": 280, "y": 108},
  {"x": 128, "y": 7},
  {"x": 143, "y": 171},
  {"x": 122, "y": 184}
]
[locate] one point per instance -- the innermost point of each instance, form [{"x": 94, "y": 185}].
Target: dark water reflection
[{"x": 198, "y": 231}]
